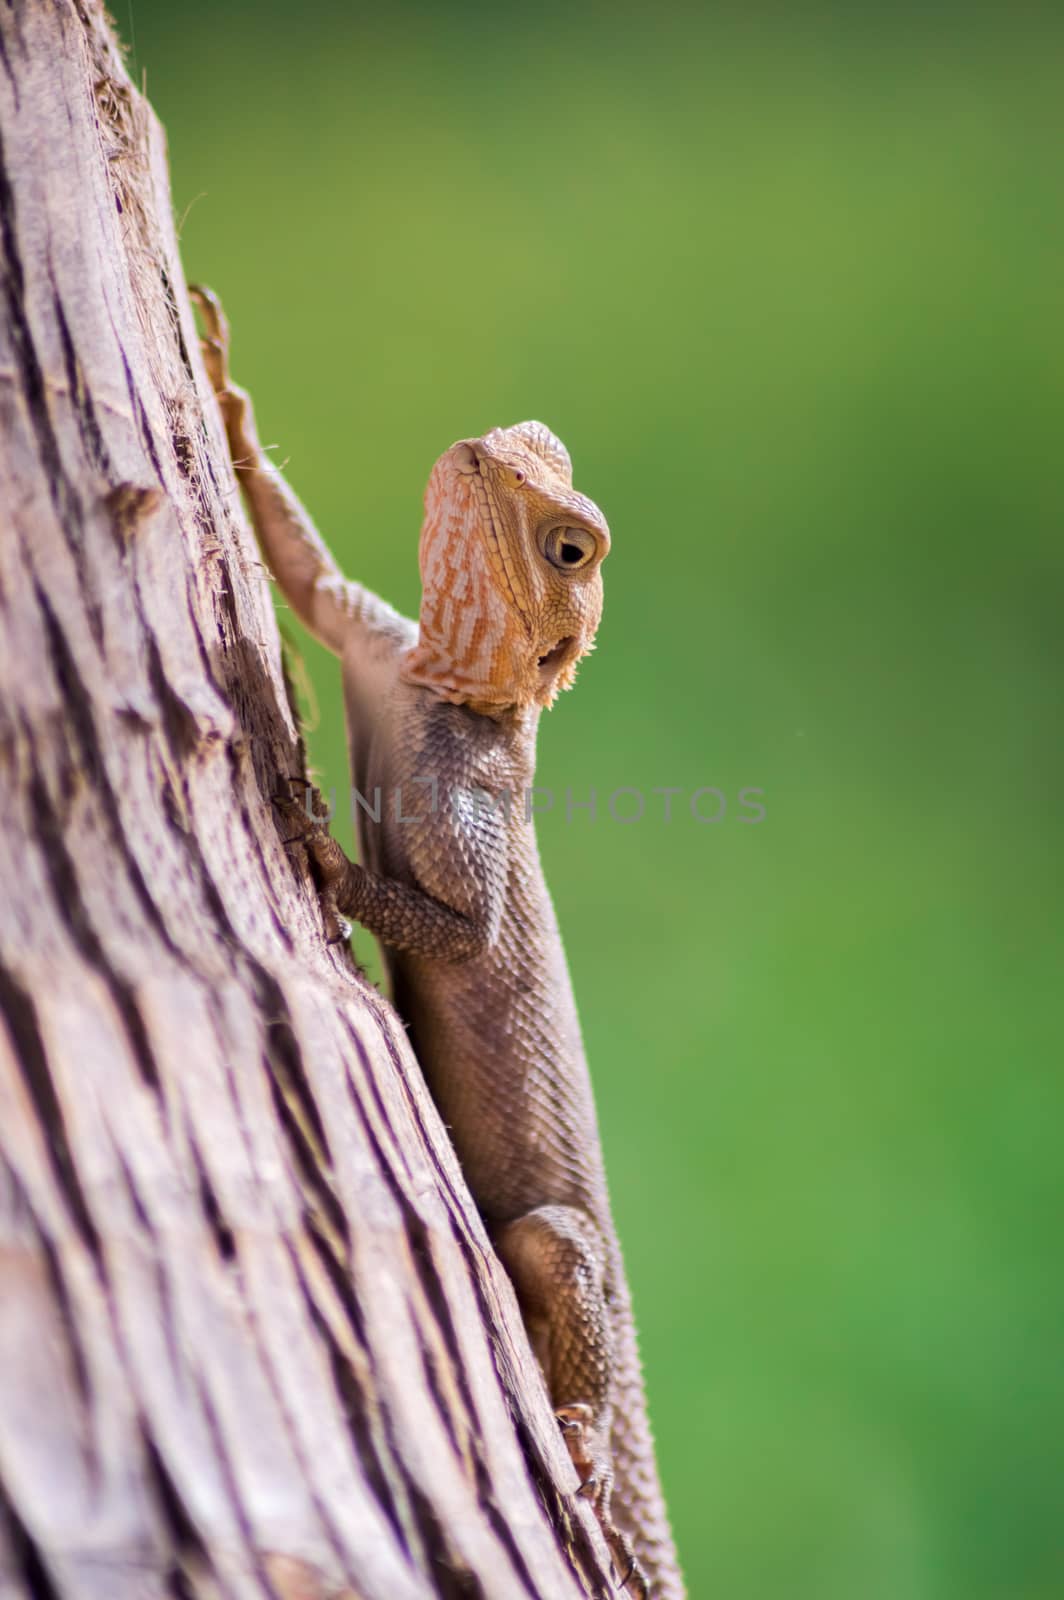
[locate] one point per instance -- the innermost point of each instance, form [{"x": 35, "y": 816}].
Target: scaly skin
[{"x": 442, "y": 717}]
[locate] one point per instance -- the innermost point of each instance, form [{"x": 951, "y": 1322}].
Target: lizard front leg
[
  {"x": 556, "y": 1259},
  {"x": 399, "y": 914}
]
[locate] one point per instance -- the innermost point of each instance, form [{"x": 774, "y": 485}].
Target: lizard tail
[{"x": 638, "y": 1505}]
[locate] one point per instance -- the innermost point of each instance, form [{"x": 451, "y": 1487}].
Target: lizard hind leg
[{"x": 556, "y": 1259}]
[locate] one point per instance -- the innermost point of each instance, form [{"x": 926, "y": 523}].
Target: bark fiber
[{"x": 253, "y": 1341}]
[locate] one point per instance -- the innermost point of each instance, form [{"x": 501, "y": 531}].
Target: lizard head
[{"x": 510, "y": 568}]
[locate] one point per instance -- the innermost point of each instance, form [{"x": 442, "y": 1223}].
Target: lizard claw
[
  {"x": 294, "y": 813},
  {"x": 308, "y": 812},
  {"x": 636, "y": 1572},
  {"x": 307, "y": 819}
]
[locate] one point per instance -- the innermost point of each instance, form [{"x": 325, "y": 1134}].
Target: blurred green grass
[{"x": 789, "y": 287}]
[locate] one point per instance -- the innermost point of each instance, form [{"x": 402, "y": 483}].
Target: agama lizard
[{"x": 442, "y": 720}]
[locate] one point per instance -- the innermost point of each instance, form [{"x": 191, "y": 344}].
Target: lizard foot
[
  {"x": 575, "y": 1422},
  {"x": 307, "y": 820},
  {"x": 233, "y": 401},
  {"x": 596, "y": 1483},
  {"x": 215, "y": 345},
  {"x": 307, "y": 815},
  {"x": 633, "y": 1578}
]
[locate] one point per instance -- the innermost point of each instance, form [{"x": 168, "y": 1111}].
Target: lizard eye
[{"x": 569, "y": 548}]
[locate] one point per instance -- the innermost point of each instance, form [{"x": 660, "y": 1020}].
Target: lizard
[{"x": 442, "y": 719}]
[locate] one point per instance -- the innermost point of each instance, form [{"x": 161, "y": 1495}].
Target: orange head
[{"x": 510, "y": 568}]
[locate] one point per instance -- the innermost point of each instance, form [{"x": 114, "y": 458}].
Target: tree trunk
[{"x": 253, "y": 1340}]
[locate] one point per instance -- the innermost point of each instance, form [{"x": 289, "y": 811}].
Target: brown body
[{"x": 442, "y": 722}]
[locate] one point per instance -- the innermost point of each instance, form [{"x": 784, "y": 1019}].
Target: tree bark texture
[{"x": 253, "y": 1340}]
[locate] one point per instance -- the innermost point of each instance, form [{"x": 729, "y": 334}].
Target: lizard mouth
[{"x": 557, "y": 657}]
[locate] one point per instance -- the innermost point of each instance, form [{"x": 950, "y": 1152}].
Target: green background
[{"x": 789, "y": 286}]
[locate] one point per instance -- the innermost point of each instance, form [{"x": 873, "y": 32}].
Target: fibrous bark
[{"x": 253, "y": 1340}]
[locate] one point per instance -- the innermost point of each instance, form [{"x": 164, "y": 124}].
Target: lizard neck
[{"x": 488, "y": 665}]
